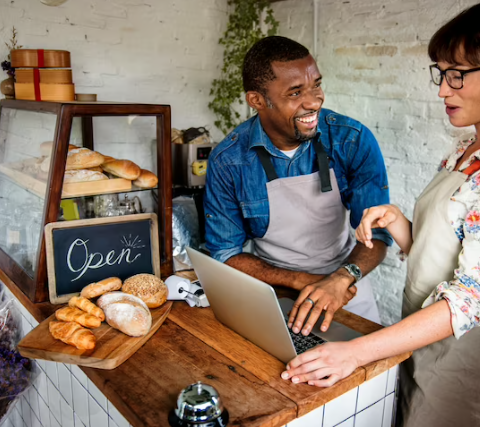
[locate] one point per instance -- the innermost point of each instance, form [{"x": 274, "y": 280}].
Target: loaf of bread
[
  {"x": 47, "y": 147},
  {"x": 126, "y": 313},
  {"x": 96, "y": 169},
  {"x": 83, "y": 175},
  {"x": 146, "y": 179},
  {"x": 88, "y": 306},
  {"x": 83, "y": 158},
  {"x": 72, "y": 333},
  {"x": 149, "y": 288},
  {"x": 96, "y": 289},
  {"x": 73, "y": 314},
  {"x": 108, "y": 159},
  {"x": 122, "y": 168}
]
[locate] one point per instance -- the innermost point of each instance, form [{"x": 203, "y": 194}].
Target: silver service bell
[{"x": 198, "y": 405}]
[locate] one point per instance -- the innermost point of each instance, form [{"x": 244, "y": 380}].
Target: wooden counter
[{"x": 193, "y": 346}]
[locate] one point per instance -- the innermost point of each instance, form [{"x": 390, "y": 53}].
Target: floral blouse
[{"x": 463, "y": 292}]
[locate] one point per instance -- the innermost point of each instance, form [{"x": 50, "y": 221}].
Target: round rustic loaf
[
  {"x": 96, "y": 289},
  {"x": 83, "y": 175},
  {"x": 83, "y": 158},
  {"x": 126, "y": 313},
  {"x": 122, "y": 168},
  {"x": 148, "y": 287},
  {"x": 146, "y": 179}
]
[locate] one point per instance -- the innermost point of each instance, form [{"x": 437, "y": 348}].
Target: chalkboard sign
[{"x": 87, "y": 251}]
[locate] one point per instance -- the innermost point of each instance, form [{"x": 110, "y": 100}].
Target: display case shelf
[{"x": 31, "y": 177}]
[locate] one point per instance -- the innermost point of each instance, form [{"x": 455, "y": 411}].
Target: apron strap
[
  {"x": 267, "y": 164},
  {"x": 322, "y": 160},
  {"x": 323, "y": 168}
]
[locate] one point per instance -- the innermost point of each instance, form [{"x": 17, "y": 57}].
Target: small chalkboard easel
[{"x": 86, "y": 251}]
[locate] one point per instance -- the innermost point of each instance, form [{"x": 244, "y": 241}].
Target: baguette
[
  {"x": 122, "y": 168},
  {"x": 73, "y": 334},
  {"x": 88, "y": 306},
  {"x": 99, "y": 288},
  {"x": 73, "y": 314},
  {"x": 146, "y": 179},
  {"x": 83, "y": 158}
]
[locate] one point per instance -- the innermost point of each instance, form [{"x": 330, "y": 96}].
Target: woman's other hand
[
  {"x": 376, "y": 217},
  {"x": 323, "y": 365}
]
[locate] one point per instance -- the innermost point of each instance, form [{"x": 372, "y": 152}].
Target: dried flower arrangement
[{"x": 13, "y": 44}]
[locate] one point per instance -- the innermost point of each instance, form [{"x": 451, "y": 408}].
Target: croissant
[
  {"x": 74, "y": 334},
  {"x": 72, "y": 314},
  {"x": 88, "y": 306}
]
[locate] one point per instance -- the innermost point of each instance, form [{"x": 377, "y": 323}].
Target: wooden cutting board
[{"x": 112, "y": 349}]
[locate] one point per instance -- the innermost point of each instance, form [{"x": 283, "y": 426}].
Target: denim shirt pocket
[{"x": 256, "y": 215}]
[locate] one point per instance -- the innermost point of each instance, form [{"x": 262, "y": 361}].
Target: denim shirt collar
[{"x": 259, "y": 138}]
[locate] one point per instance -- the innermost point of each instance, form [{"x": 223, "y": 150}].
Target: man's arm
[
  {"x": 327, "y": 294},
  {"x": 256, "y": 267}
]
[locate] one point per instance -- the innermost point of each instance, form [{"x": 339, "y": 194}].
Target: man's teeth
[{"x": 307, "y": 119}]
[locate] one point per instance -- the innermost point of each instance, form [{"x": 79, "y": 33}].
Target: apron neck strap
[{"x": 322, "y": 160}]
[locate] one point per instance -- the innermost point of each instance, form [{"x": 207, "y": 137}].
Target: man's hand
[{"x": 329, "y": 294}]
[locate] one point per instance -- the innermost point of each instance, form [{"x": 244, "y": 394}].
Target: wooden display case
[{"x": 31, "y": 179}]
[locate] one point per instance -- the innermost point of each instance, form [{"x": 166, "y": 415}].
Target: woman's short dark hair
[
  {"x": 459, "y": 39},
  {"x": 257, "y": 64}
]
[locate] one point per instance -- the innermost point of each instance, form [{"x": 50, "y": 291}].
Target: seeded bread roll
[
  {"x": 126, "y": 313},
  {"x": 122, "y": 168},
  {"x": 146, "y": 179},
  {"x": 83, "y": 158},
  {"x": 96, "y": 289},
  {"x": 83, "y": 175},
  {"x": 148, "y": 287}
]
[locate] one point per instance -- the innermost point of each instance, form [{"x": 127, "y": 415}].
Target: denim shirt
[{"x": 236, "y": 200}]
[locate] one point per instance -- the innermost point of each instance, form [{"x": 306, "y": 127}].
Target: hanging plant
[{"x": 243, "y": 31}]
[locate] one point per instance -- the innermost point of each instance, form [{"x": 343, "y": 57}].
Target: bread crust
[
  {"x": 83, "y": 158},
  {"x": 126, "y": 313},
  {"x": 146, "y": 179},
  {"x": 73, "y": 314},
  {"x": 122, "y": 168},
  {"x": 147, "y": 287},
  {"x": 73, "y": 334},
  {"x": 96, "y": 289},
  {"x": 83, "y": 175}
]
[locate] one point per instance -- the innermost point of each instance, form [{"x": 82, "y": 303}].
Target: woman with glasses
[{"x": 441, "y": 302}]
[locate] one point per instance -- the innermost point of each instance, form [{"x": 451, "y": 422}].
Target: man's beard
[{"x": 301, "y": 136}]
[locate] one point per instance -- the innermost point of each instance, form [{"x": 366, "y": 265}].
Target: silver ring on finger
[{"x": 310, "y": 301}]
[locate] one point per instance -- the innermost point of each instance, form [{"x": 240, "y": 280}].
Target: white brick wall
[
  {"x": 153, "y": 51},
  {"x": 373, "y": 55}
]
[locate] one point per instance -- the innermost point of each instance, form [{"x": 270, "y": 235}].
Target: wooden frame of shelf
[{"x": 36, "y": 288}]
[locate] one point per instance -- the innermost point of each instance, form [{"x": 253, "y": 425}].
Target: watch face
[{"x": 354, "y": 270}]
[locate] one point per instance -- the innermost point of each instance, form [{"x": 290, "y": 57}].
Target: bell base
[{"x": 221, "y": 421}]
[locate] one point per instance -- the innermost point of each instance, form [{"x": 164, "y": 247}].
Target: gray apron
[
  {"x": 309, "y": 228},
  {"x": 439, "y": 383}
]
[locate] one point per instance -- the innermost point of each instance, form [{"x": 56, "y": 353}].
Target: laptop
[{"x": 250, "y": 307}]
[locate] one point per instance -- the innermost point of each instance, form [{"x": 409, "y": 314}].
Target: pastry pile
[{"x": 124, "y": 306}]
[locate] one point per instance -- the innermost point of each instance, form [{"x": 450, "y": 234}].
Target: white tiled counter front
[
  {"x": 61, "y": 396},
  {"x": 372, "y": 404}
]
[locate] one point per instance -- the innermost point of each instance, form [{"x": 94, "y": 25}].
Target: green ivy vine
[{"x": 243, "y": 30}]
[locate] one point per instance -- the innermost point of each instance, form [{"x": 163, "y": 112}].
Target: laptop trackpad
[{"x": 336, "y": 331}]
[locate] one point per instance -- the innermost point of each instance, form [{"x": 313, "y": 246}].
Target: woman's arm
[
  {"x": 389, "y": 217},
  {"x": 339, "y": 360}
]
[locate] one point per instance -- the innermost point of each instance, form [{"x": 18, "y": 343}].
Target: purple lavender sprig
[
  {"x": 7, "y": 66},
  {"x": 15, "y": 374}
]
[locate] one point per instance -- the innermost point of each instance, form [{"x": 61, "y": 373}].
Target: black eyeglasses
[{"x": 454, "y": 77}]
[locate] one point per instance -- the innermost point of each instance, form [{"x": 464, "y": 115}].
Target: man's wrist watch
[{"x": 354, "y": 271}]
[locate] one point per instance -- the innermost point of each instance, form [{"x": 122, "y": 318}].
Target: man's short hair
[
  {"x": 458, "y": 39},
  {"x": 257, "y": 65}
]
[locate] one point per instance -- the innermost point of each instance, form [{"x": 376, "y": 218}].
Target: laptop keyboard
[{"x": 303, "y": 343}]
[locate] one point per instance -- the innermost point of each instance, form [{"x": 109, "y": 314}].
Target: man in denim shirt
[{"x": 291, "y": 179}]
